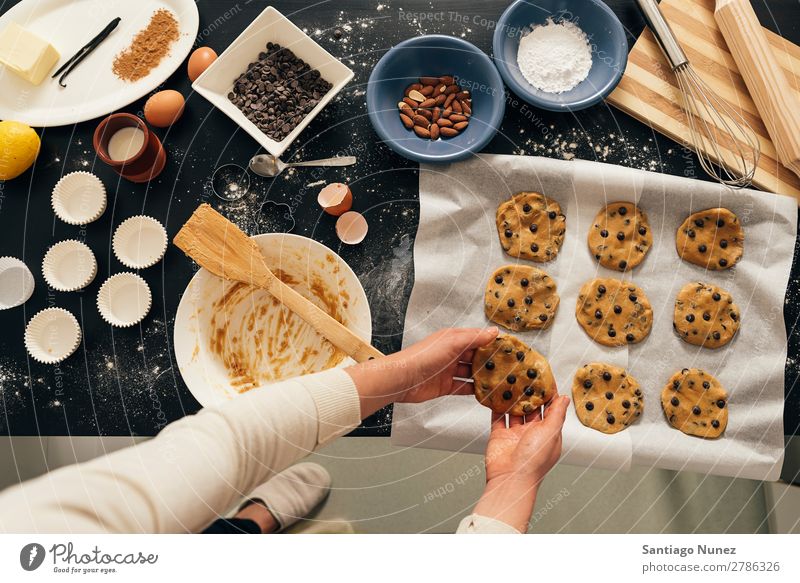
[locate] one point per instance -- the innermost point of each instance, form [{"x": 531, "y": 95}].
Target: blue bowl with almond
[{"x": 435, "y": 98}]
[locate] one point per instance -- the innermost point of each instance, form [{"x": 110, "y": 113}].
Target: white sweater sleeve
[
  {"x": 195, "y": 470},
  {"x": 477, "y": 524}
]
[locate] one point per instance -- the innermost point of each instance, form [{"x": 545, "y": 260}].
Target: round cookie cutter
[
  {"x": 124, "y": 299},
  {"x": 52, "y": 335},
  {"x": 140, "y": 242},
  {"x": 79, "y": 198},
  {"x": 230, "y": 182},
  {"x": 16, "y": 283},
  {"x": 69, "y": 266}
]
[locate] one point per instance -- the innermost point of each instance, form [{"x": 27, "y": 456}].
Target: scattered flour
[{"x": 555, "y": 57}]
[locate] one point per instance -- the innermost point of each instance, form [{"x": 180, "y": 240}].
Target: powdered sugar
[{"x": 555, "y": 57}]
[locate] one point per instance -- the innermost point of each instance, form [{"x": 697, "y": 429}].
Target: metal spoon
[{"x": 270, "y": 166}]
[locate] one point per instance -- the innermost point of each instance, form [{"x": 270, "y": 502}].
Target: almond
[
  {"x": 448, "y": 111},
  {"x": 447, "y": 80},
  {"x": 430, "y": 102},
  {"x": 410, "y": 102},
  {"x": 466, "y": 108},
  {"x": 449, "y": 100},
  {"x": 457, "y": 106},
  {"x": 421, "y": 121},
  {"x": 426, "y": 113},
  {"x": 440, "y": 89},
  {"x": 434, "y": 132},
  {"x": 422, "y": 132},
  {"x": 401, "y": 105},
  {"x": 427, "y": 91},
  {"x": 444, "y": 123},
  {"x": 416, "y": 96},
  {"x": 415, "y": 86},
  {"x": 451, "y": 89},
  {"x": 437, "y": 113},
  {"x": 433, "y": 81},
  {"x": 455, "y": 118},
  {"x": 441, "y": 99},
  {"x": 463, "y": 95},
  {"x": 446, "y": 132},
  {"x": 406, "y": 121},
  {"x": 461, "y": 125}
]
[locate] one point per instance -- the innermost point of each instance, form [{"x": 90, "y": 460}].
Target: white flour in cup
[{"x": 555, "y": 57}]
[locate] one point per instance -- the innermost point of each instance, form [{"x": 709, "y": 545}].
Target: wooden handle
[
  {"x": 338, "y": 335},
  {"x": 774, "y": 98}
]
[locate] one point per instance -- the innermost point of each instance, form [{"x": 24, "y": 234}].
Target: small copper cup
[{"x": 143, "y": 166}]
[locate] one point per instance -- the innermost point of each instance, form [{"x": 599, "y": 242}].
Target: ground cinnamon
[{"x": 148, "y": 47}]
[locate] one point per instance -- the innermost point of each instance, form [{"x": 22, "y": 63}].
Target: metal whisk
[{"x": 711, "y": 120}]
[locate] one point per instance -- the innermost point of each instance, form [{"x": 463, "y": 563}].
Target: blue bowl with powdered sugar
[{"x": 560, "y": 55}]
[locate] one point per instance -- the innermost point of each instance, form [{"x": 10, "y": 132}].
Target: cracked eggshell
[
  {"x": 351, "y": 228},
  {"x": 335, "y": 199}
]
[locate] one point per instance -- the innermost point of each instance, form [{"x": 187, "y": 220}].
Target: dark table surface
[{"x": 125, "y": 381}]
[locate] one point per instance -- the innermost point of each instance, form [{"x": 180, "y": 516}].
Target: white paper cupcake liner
[
  {"x": 79, "y": 198},
  {"x": 69, "y": 266},
  {"x": 140, "y": 242},
  {"x": 16, "y": 283},
  {"x": 52, "y": 335},
  {"x": 124, "y": 299}
]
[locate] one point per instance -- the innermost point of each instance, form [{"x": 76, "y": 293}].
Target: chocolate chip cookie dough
[
  {"x": 521, "y": 297},
  {"x": 712, "y": 238},
  {"x": 531, "y": 226},
  {"x": 606, "y": 397},
  {"x": 613, "y": 312},
  {"x": 705, "y": 315},
  {"x": 695, "y": 403},
  {"x": 620, "y": 236},
  {"x": 511, "y": 377}
]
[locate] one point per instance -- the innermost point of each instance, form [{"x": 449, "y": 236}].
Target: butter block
[{"x": 26, "y": 54}]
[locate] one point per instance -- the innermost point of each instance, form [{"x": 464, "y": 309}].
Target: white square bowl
[{"x": 269, "y": 26}]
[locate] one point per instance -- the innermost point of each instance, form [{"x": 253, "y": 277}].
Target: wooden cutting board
[{"x": 648, "y": 90}]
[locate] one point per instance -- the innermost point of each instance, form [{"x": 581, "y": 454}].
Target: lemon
[{"x": 19, "y": 146}]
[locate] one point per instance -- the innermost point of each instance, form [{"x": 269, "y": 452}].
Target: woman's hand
[
  {"x": 423, "y": 371},
  {"x": 517, "y": 459}
]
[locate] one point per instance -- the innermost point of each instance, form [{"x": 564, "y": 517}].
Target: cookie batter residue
[{"x": 258, "y": 340}]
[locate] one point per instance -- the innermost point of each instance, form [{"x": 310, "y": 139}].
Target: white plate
[
  {"x": 92, "y": 88},
  {"x": 270, "y": 26},
  {"x": 255, "y": 325}
]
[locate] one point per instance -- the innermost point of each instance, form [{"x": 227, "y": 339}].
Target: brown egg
[
  {"x": 200, "y": 60},
  {"x": 164, "y": 108}
]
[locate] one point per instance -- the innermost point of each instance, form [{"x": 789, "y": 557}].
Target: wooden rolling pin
[
  {"x": 221, "y": 247},
  {"x": 765, "y": 80}
]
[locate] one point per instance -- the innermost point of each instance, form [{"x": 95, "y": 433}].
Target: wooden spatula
[{"x": 222, "y": 248}]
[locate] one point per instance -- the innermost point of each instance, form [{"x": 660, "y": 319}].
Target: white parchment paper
[{"x": 457, "y": 249}]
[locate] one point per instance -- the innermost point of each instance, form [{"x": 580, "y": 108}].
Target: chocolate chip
[
  {"x": 489, "y": 365},
  {"x": 630, "y": 337},
  {"x": 617, "y": 309},
  {"x": 623, "y": 264},
  {"x": 716, "y": 336},
  {"x": 675, "y": 402},
  {"x": 699, "y": 222},
  {"x": 526, "y": 208},
  {"x": 638, "y": 392},
  {"x": 723, "y": 262},
  {"x": 723, "y": 244},
  {"x": 706, "y": 384},
  {"x": 706, "y": 316},
  {"x": 690, "y": 317},
  {"x": 533, "y": 228},
  {"x": 612, "y": 333},
  {"x": 511, "y": 379},
  {"x": 528, "y": 300},
  {"x": 507, "y": 395},
  {"x": 606, "y": 376},
  {"x": 715, "y": 296},
  {"x": 721, "y": 403},
  {"x": 587, "y": 384},
  {"x": 676, "y": 385},
  {"x": 609, "y": 395},
  {"x": 720, "y": 223},
  {"x": 622, "y": 211},
  {"x": 601, "y": 289},
  {"x": 543, "y": 317},
  {"x": 598, "y": 314},
  {"x": 620, "y": 236},
  {"x": 642, "y": 231},
  {"x": 702, "y": 248},
  {"x": 528, "y": 391},
  {"x": 610, "y": 419},
  {"x": 509, "y": 233},
  {"x": 511, "y": 302},
  {"x": 498, "y": 279},
  {"x": 534, "y": 247},
  {"x": 552, "y": 215},
  {"x": 626, "y": 404},
  {"x": 690, "y": 232},
  {"x": 696, "y": 410},
  {"x": 589, "y": 406},
  {"x": 633, "y": 298},
  {"x": 524, "y": 282},
  {"x": 715, "y": 424},
  {"x": 532, "y": 373},
  {"x": 604, "y": 233}
]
